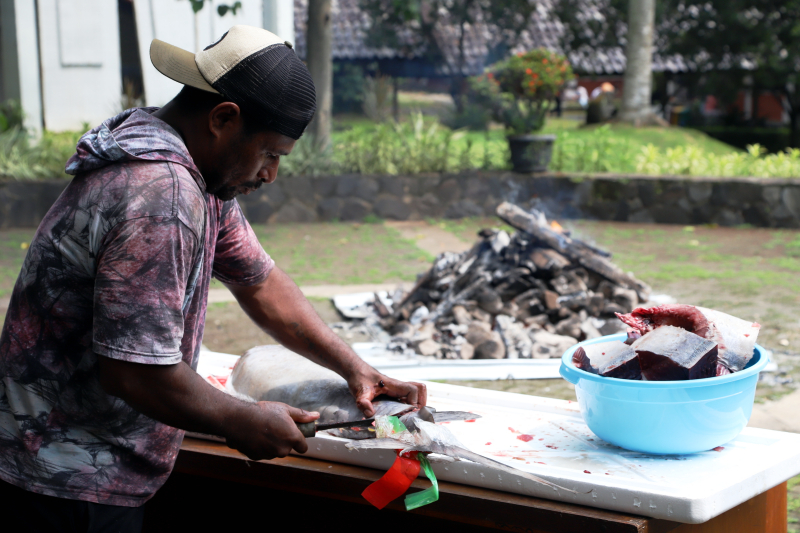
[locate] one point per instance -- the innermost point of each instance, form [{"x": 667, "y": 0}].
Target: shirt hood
[{"x": 133, "y": 135}]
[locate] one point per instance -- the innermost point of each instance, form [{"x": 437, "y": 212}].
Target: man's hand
[
  {"x": 269, "y": 430},
  {"x": 176, "y": 395},
  {"x": 366, "y": 387}
]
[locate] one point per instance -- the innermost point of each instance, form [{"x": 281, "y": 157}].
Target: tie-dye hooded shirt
[{"x": 120, "y": 267}]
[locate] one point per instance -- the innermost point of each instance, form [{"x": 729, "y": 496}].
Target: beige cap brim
[{"x": 178, "y": 64}]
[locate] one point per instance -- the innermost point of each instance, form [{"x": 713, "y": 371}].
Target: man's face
[{"x": 244, "y": 162}]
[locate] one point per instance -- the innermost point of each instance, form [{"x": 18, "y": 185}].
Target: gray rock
[
  {"x": 392, "y": 207},
  {"x": 325, "y": 186},
  {"x": 366, "y": 189},
  {"x": 449, "y": 191},
  {"x": 463, "y": 209},
  {"x": 393, "y": 185},
  {"x": 771, "y": 195},
  {"x": 294, "y": 211},
  {"x": 329, "y": 209},
  {"x": 346, "y": 185},
  {"x": 355, "y": 209},
  {"x": 299, "y": 187},
  {"x": 428, "y": 205},
  {"x": 791, "y": 199},
  {"x": 699, "y": 191},
  {"x": 728, "y": 217},
  {"x": 258, "y": 212},
  {"x": 642, "y": 216}
]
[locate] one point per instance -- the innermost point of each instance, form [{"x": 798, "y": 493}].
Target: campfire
[{"x": 532, "y": 294}]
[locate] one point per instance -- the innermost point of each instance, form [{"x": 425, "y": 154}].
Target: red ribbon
[{"x": 394, "y": 483}]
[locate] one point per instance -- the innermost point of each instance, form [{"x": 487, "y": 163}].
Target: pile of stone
[{"x": 532, "y": 294}]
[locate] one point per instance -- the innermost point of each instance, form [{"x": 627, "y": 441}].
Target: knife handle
[{"x": 309, "y": 429}]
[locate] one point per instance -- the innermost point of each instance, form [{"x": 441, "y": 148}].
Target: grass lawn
[{"x": 342, "y": 253}]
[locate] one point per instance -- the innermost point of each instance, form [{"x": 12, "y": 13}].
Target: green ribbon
[{"x": 430, "y": 495}]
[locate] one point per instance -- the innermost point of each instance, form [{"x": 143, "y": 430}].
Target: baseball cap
[{"x": 251, "y": 67}]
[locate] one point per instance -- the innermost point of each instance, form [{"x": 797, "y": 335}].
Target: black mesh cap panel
[{"x": 274, "y": 85}]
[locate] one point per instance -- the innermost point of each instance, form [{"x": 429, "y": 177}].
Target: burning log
[{"x": 531, "y": 294}]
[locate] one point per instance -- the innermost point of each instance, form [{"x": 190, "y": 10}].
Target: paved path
[
  {"x": 317, "y": 291},
  {"x": 432, "y": 239},
  {"x": 782, "y": 415}
]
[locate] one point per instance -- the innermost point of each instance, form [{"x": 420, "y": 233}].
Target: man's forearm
[
  {"x": 175, "y": 395},
  {"x": 278, "y": 306}
]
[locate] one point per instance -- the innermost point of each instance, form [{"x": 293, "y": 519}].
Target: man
[{"x": 106, "y": 318}]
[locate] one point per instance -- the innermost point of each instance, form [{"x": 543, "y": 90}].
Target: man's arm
[
  {"x": 176, "y": 395},
  {"x": 278, "y": 306}
]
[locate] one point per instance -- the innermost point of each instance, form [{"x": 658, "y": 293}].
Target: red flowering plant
[{"x": 520, "y": 90}]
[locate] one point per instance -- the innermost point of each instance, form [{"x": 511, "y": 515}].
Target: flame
[{"x": 556, "y": 226}]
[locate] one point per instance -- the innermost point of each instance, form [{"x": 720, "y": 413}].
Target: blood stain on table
[{"x": 525, "y": 438}]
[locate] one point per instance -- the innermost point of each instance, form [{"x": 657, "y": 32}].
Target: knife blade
[{"x": 310, "y": 429}]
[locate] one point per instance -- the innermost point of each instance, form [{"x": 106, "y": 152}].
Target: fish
[
  {"x": 613, "y": 359},
  {"x": 276, "y": 374},
  {"x": 670, "y": 353},
  {"x": 735, "y": 338}
]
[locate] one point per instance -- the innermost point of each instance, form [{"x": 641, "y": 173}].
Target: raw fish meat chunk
[
  {"x": 613, "y": 359},
  {"x": 670, "y": 353},
  {"x": 735, "y": 338}
]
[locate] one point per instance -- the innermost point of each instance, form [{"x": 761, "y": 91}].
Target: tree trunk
[
  {"x": 320, "y": 63},
  {"x": 639, "y": 57}
]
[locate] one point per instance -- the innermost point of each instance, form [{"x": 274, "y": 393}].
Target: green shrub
[
  {"x": 23, "y": 159},
  {"x": 412, "y": 147},
  {"x": 692, "y": 161}
]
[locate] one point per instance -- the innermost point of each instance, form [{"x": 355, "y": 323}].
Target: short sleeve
[
  {"x": 143, "y": 268},
  {"x": 239, "y": 258}
]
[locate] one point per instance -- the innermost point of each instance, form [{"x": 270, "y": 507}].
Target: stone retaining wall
[{"x": 672, "y": 200}]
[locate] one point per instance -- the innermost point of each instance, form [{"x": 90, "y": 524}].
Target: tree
[
  {"x": 728, "y": 40},
  {"x": 638, "y": 88},
  {"x": 413, "y": 27},
  {"x": 320, "y": 64},
  {"x": 591, "y": 25}
]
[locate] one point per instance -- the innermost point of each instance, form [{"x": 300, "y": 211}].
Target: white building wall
[
  {"x": 80, "y": 62},
  {"x": 21, "y": 59},
  {"x": 173, "y": 21},
  {"x": 279, "y": 18}
]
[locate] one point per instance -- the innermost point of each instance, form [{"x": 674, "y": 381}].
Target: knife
[{"x": 309, "y": 429}]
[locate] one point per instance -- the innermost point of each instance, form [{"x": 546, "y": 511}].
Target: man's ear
[{"x": 225, "y": 117}]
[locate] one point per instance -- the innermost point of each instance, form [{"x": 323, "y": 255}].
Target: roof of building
[{"x": 350, "y": 25}]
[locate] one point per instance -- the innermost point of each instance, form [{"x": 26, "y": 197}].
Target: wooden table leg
[{"x": 766, "y": 513}]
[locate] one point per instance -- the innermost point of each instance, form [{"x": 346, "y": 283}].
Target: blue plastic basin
[{"x": 665, "y": 417}]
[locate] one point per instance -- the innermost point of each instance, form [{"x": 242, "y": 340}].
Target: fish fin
[{"x": 452, "y": 416}]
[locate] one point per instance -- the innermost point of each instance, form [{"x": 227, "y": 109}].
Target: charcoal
[
  {"x": 516, "y": 339},
  {"x": 533, "y": 293},
  {"x": 613, "y": 359},
  {"x": 669, "y": 353}
]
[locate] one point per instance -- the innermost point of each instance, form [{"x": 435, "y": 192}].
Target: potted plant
[{"x": 519, "y": 91}]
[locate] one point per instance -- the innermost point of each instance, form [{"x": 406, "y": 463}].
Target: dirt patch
[{"x": 230, "y": 330}]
